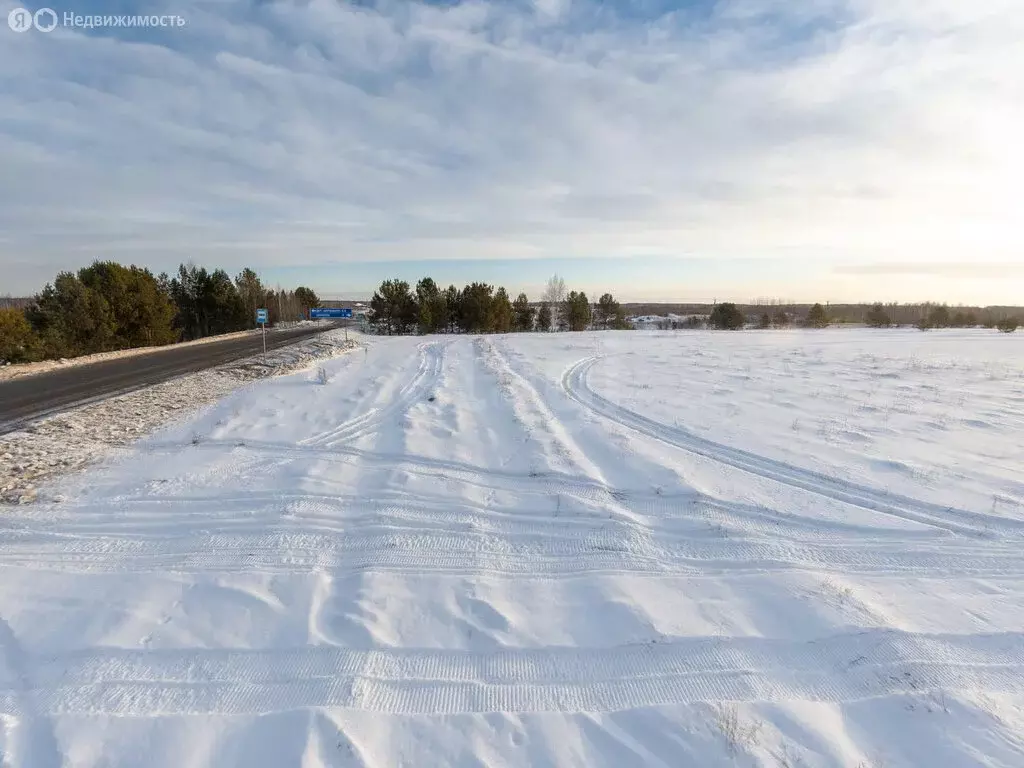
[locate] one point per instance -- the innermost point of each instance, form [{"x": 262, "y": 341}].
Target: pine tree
[
  {"x": 433, "y": 307},
  {"x": 939, "y": 317},
  {"x": 252, "y": 293},
  {"x": 475, "y": 306},
  {"x": 500, "y": 313},
  {"x": 71, "y": 319},
  {"x": 306, "y": 299},
  {"x": 453, "y": 308},
  {"x": 608, "y": 314},
  {"x": 393, "y": 308},
  {"x": 522, "y": 313},
  {"x": 575, "y": 314},
  {"x": 817, "y": 317},
  {"x": 765, "y": 321},
  {"x": 544, "y": 317},
  {"x": 726, "y": 316}
]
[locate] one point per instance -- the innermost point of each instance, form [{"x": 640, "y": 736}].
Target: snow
[
  {"x": 74, "y": 439},
  {"x": 600, "y": 549}
]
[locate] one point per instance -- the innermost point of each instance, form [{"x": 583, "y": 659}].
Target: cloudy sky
[{"x": 801, "y": 149}]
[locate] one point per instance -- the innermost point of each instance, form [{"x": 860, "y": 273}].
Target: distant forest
[
  {"x": 839, "y": 314},
  {"x": 107, "y": 306}
]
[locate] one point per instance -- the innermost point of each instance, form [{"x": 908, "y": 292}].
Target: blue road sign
[
  {"x": 261, "y": 316},
  {"x": 322, "y": 313}
]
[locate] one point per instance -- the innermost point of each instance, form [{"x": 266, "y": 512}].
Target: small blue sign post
[{"x": 261, "y": 318}]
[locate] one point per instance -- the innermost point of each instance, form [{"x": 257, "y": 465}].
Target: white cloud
[{"x": 838, "y": 131}]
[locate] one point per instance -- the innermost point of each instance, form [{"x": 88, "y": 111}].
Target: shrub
[
  {"x": 18, "y": 342},
  {"x": 726, "y": 317},
  {"x": 877, "y": 317},
  {"x": 1008, "y": 325}
]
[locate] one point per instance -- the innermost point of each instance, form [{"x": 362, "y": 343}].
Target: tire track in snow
[
  {"x": 418, "y": 681},
  {"x": 535, "y": 415},
  {"x": 575, "y": 383},
  {"x": 532, "y": 553},
  {"x": 430, "y": 360},
  {"x": 540, "y": 514}
]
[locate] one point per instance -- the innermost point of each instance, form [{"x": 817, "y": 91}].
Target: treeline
[
  {"x": 397, "y": 308},
  {"x": 941, "y": 316},
  {"x": 108, "y": 306},
  {"x": 729, "y": 316},
  {"x": 900, "y": 314}
]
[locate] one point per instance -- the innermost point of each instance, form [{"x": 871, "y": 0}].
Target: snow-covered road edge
[{"x": 69, "y": 441}]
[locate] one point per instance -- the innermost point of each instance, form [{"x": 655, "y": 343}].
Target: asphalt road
[{"x": 27, "y": 398}]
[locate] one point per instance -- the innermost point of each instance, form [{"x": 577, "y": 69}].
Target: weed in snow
[{"x": 740, "y": 734}]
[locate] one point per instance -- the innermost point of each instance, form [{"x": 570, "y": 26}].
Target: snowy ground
[
  {"x": 619, "y": 549},
  {"x": 78, "y": 437}
]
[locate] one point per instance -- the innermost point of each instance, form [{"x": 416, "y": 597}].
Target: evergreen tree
[
  {"x": 575, "y": 314},
  {"x": 433, "y": 306},
  {"x": 71, "y": 319},
  {"x": 475, "y": 308},
  {"x": 877, "y": 317},
  {"x": 393, "y": 308},
  {"x": 306, "y": 299},
  {"x": 522, "y": 313},
  {"x": 223, "y": 307},
  {"x": 608, "y": 314},
  {"x": 141, "y": 313},
  {"x": 765, "y": 321},
  {"x": 453, "y": 304},
  {"x": 817, "y": 317},
  {"x": 253, "y": 294},
  {"x": 939, "y": 317},
  {"x": 544, "y": 317},
  {"x": 500, "y": 315},
  {"x": 780, "y": 319},
  {"x": 726, "y": 316}
]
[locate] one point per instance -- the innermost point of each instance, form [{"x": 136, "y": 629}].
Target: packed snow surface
[{"x": 610, "y": 549}]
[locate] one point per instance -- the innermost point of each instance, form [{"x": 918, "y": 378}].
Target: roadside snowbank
[{"x": 69, "y": 441}]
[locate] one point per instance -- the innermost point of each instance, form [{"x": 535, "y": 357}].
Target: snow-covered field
[{"x": 610, "y": 549}]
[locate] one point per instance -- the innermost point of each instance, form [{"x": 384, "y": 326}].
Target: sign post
[
  {"x": 261, "y": 318},
  {"x": 323, "y": 313}
]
